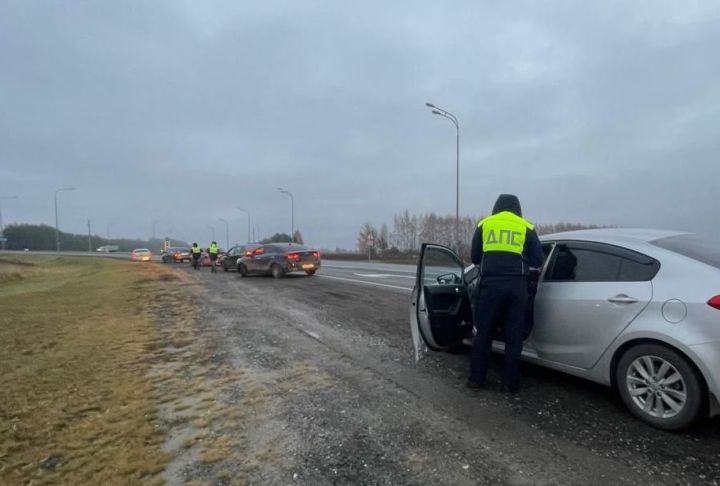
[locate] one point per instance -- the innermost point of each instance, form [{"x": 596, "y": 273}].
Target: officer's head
[
  {"x": 214, "y": 243},
  {"x": 507, "y": 202},
  {"x": 194, "y": 244}
]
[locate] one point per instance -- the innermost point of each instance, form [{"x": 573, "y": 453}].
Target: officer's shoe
[
  {"x": 510, "y": 389},
  {"x": 474, "y": 385}
]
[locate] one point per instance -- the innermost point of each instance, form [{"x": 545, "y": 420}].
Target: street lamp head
[
  {"x": 429, "y": 105},
  {"x": 435, "y": 112}
]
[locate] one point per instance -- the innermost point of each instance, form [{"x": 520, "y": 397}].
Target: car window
[
  {"x": 600, "y": 263},
  {"x": 578, "y": 265},
  {"x": 440, "y": 267}
]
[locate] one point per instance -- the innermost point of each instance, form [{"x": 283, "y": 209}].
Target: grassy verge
[{"x": 76, "y": 405}]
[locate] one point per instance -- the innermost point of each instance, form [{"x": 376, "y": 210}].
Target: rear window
[
  {"x": 693, "y": 246},
  {"x": 283, "y": 248}
]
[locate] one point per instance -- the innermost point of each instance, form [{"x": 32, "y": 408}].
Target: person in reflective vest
[
  {"x": 196, "y": 251},
  {"x": 213, "y": 252},
  {"x": 505, "y": 247}
]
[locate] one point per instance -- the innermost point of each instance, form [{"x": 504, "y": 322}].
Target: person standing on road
[
  {"x": 505, "y": 247},
  {"x": 196, "y": 252},
  {"x": 213, "y": 252}
]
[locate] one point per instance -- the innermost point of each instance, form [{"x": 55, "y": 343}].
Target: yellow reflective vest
[
  {"x": 213, "y": 249},
  {"x": 504, "y": 231}
]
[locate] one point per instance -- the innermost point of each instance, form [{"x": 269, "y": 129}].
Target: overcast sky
[{"x": 179, "y": 111}]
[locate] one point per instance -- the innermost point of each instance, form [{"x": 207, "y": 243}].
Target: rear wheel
[
  {"x": 310, "y": 272},
  {"x": 242, "y": 270},
  {"x": 660, "y": 386},
  {"x": 225, "y": 268},
  {"x": 277, "y": 271}
]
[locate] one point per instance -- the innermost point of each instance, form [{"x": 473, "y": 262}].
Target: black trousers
[{"x": 501, "y": 301}]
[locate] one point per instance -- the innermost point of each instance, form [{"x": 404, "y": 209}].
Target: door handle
[{"x": 623, "y": 299}]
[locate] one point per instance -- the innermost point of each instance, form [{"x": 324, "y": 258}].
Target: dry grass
[{"x": 76, "y": 404}]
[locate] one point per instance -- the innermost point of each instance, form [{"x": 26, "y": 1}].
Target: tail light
[
  {"x": 317, "y": 255},
  {"x": 293, "y": 257},
  {"x": 715, "y": 302}
]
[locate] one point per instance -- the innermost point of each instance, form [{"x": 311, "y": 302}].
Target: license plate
[{"x": 308, "y": 265}]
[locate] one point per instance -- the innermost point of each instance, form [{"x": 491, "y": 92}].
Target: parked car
[
  {"x": 277, "y": 259},
  {"x": 637, "y": 310},
  {"x": 176, "y": 255},
  {"x": 141, "y": 255},
  {"x": 108, "y": 248},
  {"x": 229, "y": 261}
]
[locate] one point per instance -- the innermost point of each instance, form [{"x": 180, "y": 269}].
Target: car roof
[
  {"x": 138, "y": 250},
  {"x": 617, "y": 236}
]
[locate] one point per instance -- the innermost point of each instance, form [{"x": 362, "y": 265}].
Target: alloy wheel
[{"x": 656, "y": 387}]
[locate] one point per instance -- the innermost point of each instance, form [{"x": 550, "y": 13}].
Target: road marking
[
  {"x": 360, "y": 267},
  {"x": 382, "y": 275},
  {"x": 313, "y": 335},
  {"x": 366, "y": 282}
]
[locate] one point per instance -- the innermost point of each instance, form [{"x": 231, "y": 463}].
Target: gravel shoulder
[{"x": 323, "y": 375}]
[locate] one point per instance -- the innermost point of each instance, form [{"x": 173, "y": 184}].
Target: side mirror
[{"x": 448, "y": 278}]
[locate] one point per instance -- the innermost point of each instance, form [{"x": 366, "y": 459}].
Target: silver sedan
[{"x": 638, "y": 310}]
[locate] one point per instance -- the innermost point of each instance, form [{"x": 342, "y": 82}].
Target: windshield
[{"x": 693, "y": 246}]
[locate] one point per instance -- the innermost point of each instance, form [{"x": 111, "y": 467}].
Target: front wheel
[
  {"x": 277, "y": 271},
  {"x": 660, "y": 386},
  {"x": 242, "y": 270}
]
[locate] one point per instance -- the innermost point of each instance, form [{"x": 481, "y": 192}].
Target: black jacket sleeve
[
  {"x": 533, "y": 250},
  {"x": 476, "y": 252}
]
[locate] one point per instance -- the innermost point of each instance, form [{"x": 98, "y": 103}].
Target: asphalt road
[{"x": 388, "y": 419}]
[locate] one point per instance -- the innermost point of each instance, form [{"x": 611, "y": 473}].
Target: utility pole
[
  {"x": 89, "y": 237},
  {"x": 57, "y": 226}
]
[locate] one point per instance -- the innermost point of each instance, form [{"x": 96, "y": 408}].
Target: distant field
[{"x": 76, "y": 406}]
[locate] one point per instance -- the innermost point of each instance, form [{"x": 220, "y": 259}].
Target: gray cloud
[{"x": 180, "y": 111}]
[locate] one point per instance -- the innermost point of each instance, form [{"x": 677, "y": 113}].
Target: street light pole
[
  {"x": 446, "y": 114},
  {"x": 212, "y": 228},
  {"x": 57, "y": 226},
  {"x": 2, "y": 228},
  {"x": 89, "y": 237},
  {"x": 227, "y": 233},
  {"x": 292, "y": 211},
  {"x": 154, "y": 224},
  {"x": 107, "y": 230},
  {"x": 248, "y": 217}
]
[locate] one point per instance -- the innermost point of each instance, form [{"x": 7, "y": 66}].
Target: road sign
[{"x": 370, "y": 240}]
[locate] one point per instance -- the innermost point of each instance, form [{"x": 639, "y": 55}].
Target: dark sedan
[
  {"x": 277, "y": 259},
  {"x": 176, "y": 255},
  {"x": 230, "y": 259}
]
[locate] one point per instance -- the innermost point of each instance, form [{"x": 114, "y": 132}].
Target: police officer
[
  {"x": 505, "y": 247},
  {"x": 196, "y": 251},
  {"x": 213, "y": 252}
]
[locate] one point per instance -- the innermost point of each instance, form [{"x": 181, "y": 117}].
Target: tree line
[
  {"x": 410, "y": 231},
  {"x": 41, "y": 237}
]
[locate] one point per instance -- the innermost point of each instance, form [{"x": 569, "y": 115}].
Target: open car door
[{"x": 440, "y": 313}]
